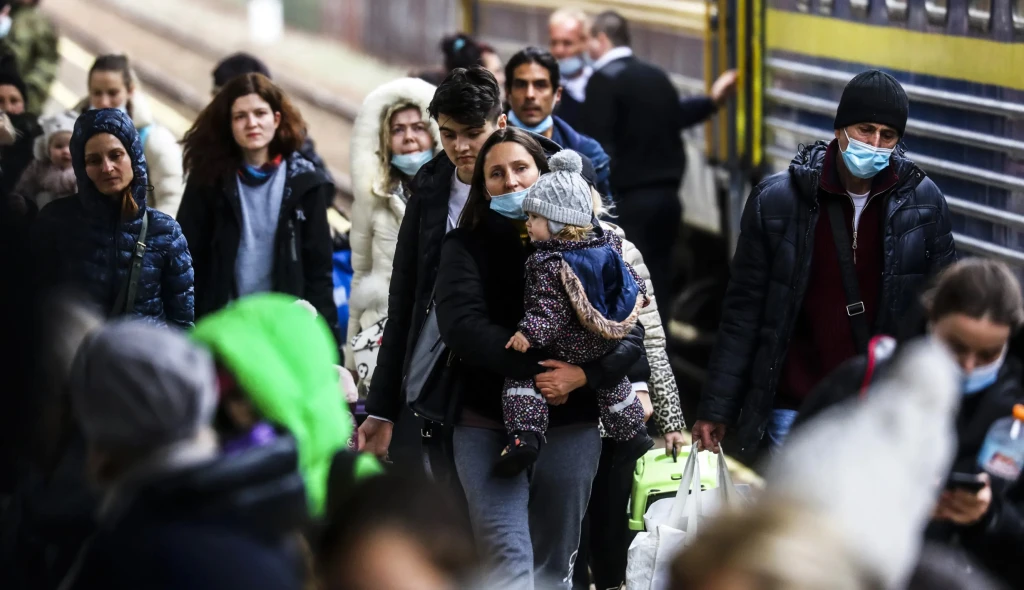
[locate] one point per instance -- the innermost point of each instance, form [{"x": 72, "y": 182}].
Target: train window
[
  {"x": 937, "y": 11},
  {"x": 979, "y": 14},
  {"x": 803, "y": 5},
  {"x": 896, "y": 9},
  {"x": 825, "y": 7},
  {"x": 1018, "y": 16},
  {"x": 859, "y": 8}
]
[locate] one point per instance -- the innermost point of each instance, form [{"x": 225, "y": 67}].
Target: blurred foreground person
[
  {"x": 276, "y": 370},
  {"x": 393, "y": 533},
  {"x": 973, "y": 309},
  {"x": 175, "y": 514},
  {"x": 50, "y": 514},
  {"x": 827, "y": 520}
]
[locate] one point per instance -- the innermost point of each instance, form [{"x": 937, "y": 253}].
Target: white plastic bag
[{"x": 669, "y": 531}]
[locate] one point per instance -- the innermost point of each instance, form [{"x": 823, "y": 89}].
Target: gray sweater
[{"x": 261, "y": 209}]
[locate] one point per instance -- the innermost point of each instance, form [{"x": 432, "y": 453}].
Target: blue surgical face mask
[
  {"x": 510, "y": 204},
  {"x": 410, "y": 164},
  {"x": 571, "y": 66},
  {"x": 5, "y": 25},
  {"x": 983, "y": 377},
  {"x": 863, "y": 160},
  {"x": 539, "y": 128}
]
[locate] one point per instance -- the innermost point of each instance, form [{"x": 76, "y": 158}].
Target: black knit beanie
[{"x": 873, "y": 97}]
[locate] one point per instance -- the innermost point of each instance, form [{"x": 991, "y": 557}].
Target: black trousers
[
  {"x": 651, "y": 217},
  {"x": 605, "y": 536}
]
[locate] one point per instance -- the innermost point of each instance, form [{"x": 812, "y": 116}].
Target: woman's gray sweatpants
[{"x": 529, "y": 525}]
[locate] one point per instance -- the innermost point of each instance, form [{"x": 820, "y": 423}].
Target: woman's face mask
[
  {"x": 510, "y": 205},
  {"x": 978, "y": 345},
  {"x": 983, "y": 377},
  {"x": 409, "y": 164},
  {"x": 864, "y": 160}
]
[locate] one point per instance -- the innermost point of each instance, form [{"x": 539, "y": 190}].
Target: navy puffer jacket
[{"x": 81, "y": 241}]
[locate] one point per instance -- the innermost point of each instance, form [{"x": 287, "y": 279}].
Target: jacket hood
[
  {"x": 806, "y": 167},
  {"x": 138, "y": 105},
  {"x": 284, "y": 359},
  {"x": 118, "y": 124},
  {"x": 371, "y": 165},
  {"x": 260, "y": 489},
  {"x": 602, "y": 291}
]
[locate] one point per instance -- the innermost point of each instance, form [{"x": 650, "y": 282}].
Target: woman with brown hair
[
  {"x": 254, "y": 210},
  {"x": 113, "y": 85},
  {"x": 527, "y": 525},
  {"x": 126, "y": 257}
]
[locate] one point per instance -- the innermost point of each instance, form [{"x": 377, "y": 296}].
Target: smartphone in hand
[{"x": 971, "y": 482}]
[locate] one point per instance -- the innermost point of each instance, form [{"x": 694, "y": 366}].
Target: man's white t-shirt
[
  {"x": 456, "y": 200},
  {"x": 859, "y": 201}
]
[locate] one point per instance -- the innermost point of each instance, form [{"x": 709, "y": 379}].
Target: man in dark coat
[
  {"x": 533, "y": 87},
  {"x": 791, "y": 314},
  {"x": 634, "y": 111}
]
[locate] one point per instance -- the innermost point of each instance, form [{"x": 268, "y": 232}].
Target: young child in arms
[{"x": 581, "y": 297}]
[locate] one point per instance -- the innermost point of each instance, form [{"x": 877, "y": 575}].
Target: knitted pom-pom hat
[{"x": 562, "y": 195}]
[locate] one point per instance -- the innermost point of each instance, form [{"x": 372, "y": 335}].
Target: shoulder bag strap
[
  {"x": 848, "y": 271},
  {"x": 126, "y": 298}
]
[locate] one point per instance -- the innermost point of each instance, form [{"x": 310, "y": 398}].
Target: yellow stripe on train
[{"x": 944, "y": 56}]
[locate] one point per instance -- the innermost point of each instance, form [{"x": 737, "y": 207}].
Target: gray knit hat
[
  {"x": 562, "y": 195},
  {"x": 140, "y": 385}
]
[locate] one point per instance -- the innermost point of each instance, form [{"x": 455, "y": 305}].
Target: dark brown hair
[
  {"x": 114, "y": 62},
  {"x": 977, "y": 288},
  {"x": 478, "y": 203},
  {"x": 210, "y": 149}
]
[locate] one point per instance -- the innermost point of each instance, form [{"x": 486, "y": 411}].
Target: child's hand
[{"x": 518, "y": 342}]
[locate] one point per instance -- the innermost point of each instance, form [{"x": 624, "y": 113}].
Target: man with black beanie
[{"x": 831, "y": 252}]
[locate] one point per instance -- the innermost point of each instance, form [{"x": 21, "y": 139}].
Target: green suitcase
[{"x": 657, "y": 476}]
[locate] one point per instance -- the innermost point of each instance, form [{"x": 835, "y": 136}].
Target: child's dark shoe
[
  {"x": 630, "y": 451},
  {"x": 520, "y": 452}
]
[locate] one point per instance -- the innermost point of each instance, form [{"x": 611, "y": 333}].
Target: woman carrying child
[{"x": 581, "y": 298}]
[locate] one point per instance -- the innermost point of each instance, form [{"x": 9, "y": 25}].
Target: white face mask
[{"x": 5, "y": 25}]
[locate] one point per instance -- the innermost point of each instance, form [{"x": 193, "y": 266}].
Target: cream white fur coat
[{"x": 376, "y": 213}]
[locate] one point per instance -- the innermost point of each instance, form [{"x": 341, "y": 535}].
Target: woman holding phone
[{"x": 974, "y": 309}]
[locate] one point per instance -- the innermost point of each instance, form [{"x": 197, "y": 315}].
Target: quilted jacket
[{"x": 81, "y": 241}]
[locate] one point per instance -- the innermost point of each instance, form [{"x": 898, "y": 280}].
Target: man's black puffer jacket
[{"x": 770, "y": 273}]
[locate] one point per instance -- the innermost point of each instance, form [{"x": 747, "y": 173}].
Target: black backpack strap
[
  {"x": 125, "y": 302},
  {"x": 848, "y": 271}
]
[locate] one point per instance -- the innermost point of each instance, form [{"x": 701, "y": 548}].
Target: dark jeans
[
  {"x": 529, "y": 525},
  {"x": 651, "y": 217},
  {"x": 606, "y": 537}
]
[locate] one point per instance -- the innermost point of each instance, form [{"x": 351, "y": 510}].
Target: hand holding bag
[{"x": 651, "y": 553}]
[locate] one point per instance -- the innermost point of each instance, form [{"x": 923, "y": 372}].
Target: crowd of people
[{"x": 178, "y": 368}]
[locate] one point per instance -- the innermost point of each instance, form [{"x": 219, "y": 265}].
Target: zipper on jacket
[{"x": 865, "y": 208}]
